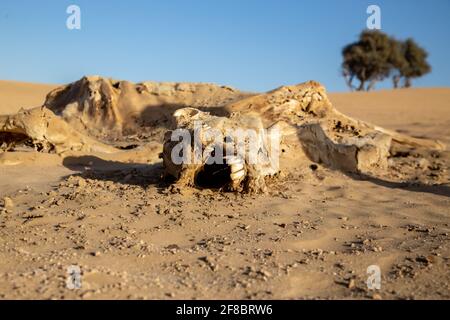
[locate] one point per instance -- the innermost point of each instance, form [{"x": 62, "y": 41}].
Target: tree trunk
[
  {"x": 363, "y": 79},
  {"x": 361, "y": 85},
  {"x": 396, "y": 81},
  {"x": 348, "y": 81},
  {"x": 407, "y": 83},
  {"x": 371, "y": 85}
]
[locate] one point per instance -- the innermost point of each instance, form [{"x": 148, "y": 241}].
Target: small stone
[
  {"x": 80, "y": 182},
  {"x": 8, "y": 202},
  {"x": 266, "y": 273},
  {"x": 304, "y": 261},
  {"x": 351, "y": 284},
  {"x": 376, "y": 296}
]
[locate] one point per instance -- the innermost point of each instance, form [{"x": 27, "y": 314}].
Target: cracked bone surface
[
  {"x": 326, "y": 135},
  {"x": 234, "y": 153},
  {"x": 105, "y": 108},
  {"x": 46, "y": 132},
  {"x": 309, "y": 124}
]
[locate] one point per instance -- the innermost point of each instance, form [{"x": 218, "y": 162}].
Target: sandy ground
[{"x": 312, "y": 236}]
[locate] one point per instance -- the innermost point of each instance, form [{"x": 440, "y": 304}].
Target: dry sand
[
  {"x": 15, "y": 95},
  {"x": 312, "y": 236},
  {"x": 420, "y": 112}
]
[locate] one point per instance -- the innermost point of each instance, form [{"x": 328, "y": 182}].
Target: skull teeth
[
  {"x": 237, "y": 167},
  {"x": 238, "y": 175}
]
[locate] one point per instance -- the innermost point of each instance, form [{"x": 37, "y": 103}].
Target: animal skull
[{"x": 234, "y": 153}]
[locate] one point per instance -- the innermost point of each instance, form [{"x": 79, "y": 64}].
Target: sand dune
[
  {"x": 15, "y": 95},
  {"x": 313, "y": 234},
  {"x": 422, "y": 112}
]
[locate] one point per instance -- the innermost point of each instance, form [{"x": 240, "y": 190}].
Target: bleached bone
[
  {"x": 308, "y": 103},
  {"x": 47, "y": 132},
  {"x": 237, "y": 172},
  {"x": 323, "y": 133}
]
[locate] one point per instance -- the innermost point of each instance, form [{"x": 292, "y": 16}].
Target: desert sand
[
  {"x": 16, "y": 95},
  {"x": 134, "y": 235}
]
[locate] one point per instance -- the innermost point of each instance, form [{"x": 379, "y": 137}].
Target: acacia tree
[
  {"x": 412, "y": 63},
  {"x": 376, "y": 56},
  {"x": 369, "y": 60}
]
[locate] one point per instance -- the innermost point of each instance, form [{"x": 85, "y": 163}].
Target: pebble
[
  {"x": 8, "y": 202},
  {"x": 351, "y": 284},
  {"x": 376, "y": 296},
  {"x": 81, "y": 183}
]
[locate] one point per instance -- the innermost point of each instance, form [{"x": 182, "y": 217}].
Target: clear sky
[{"x": 254, "y": 45}]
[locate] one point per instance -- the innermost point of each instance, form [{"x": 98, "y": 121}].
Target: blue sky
[{"x": 254, "y": 45}]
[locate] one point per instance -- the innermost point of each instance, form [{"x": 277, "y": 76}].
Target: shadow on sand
[
  {"x": 437, "y": 189},
  {"x": 137, "y": 174},
  {"x": 144, "y": 175}
]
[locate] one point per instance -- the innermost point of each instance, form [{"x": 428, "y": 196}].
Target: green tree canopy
[
  {"x": 414, "y": 62},
  {"x": 376, "y": 56}
]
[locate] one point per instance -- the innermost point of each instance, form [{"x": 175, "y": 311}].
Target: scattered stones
[
  {"x": 209, "y": 262},
  {"x": 426, "y": 261}
]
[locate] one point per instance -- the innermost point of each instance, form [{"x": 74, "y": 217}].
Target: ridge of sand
[
  {"x": 416, "y": 111},
  {"x": 15, "y": 95}
]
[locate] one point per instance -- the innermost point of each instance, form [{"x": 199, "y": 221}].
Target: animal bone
[
  {"x": 243, "y": 161},
  {"x": 308, "y": 103},
  {"x": 304, "y": 112},
  {"x": 105, "y": 107},
  {"x": 47, "y": 132}
]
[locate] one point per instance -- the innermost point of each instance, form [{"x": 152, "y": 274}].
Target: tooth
[
  {"x": 237, "y": 167},
  {"x": 237, "y": 175}
]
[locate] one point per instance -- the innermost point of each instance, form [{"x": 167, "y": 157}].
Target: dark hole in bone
[
  {"x": 401, "y": 154},
  {"x": 213, "y": 176},
  {"x": 9, "y": 140},
  {"x": 128, "y": 147}
]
